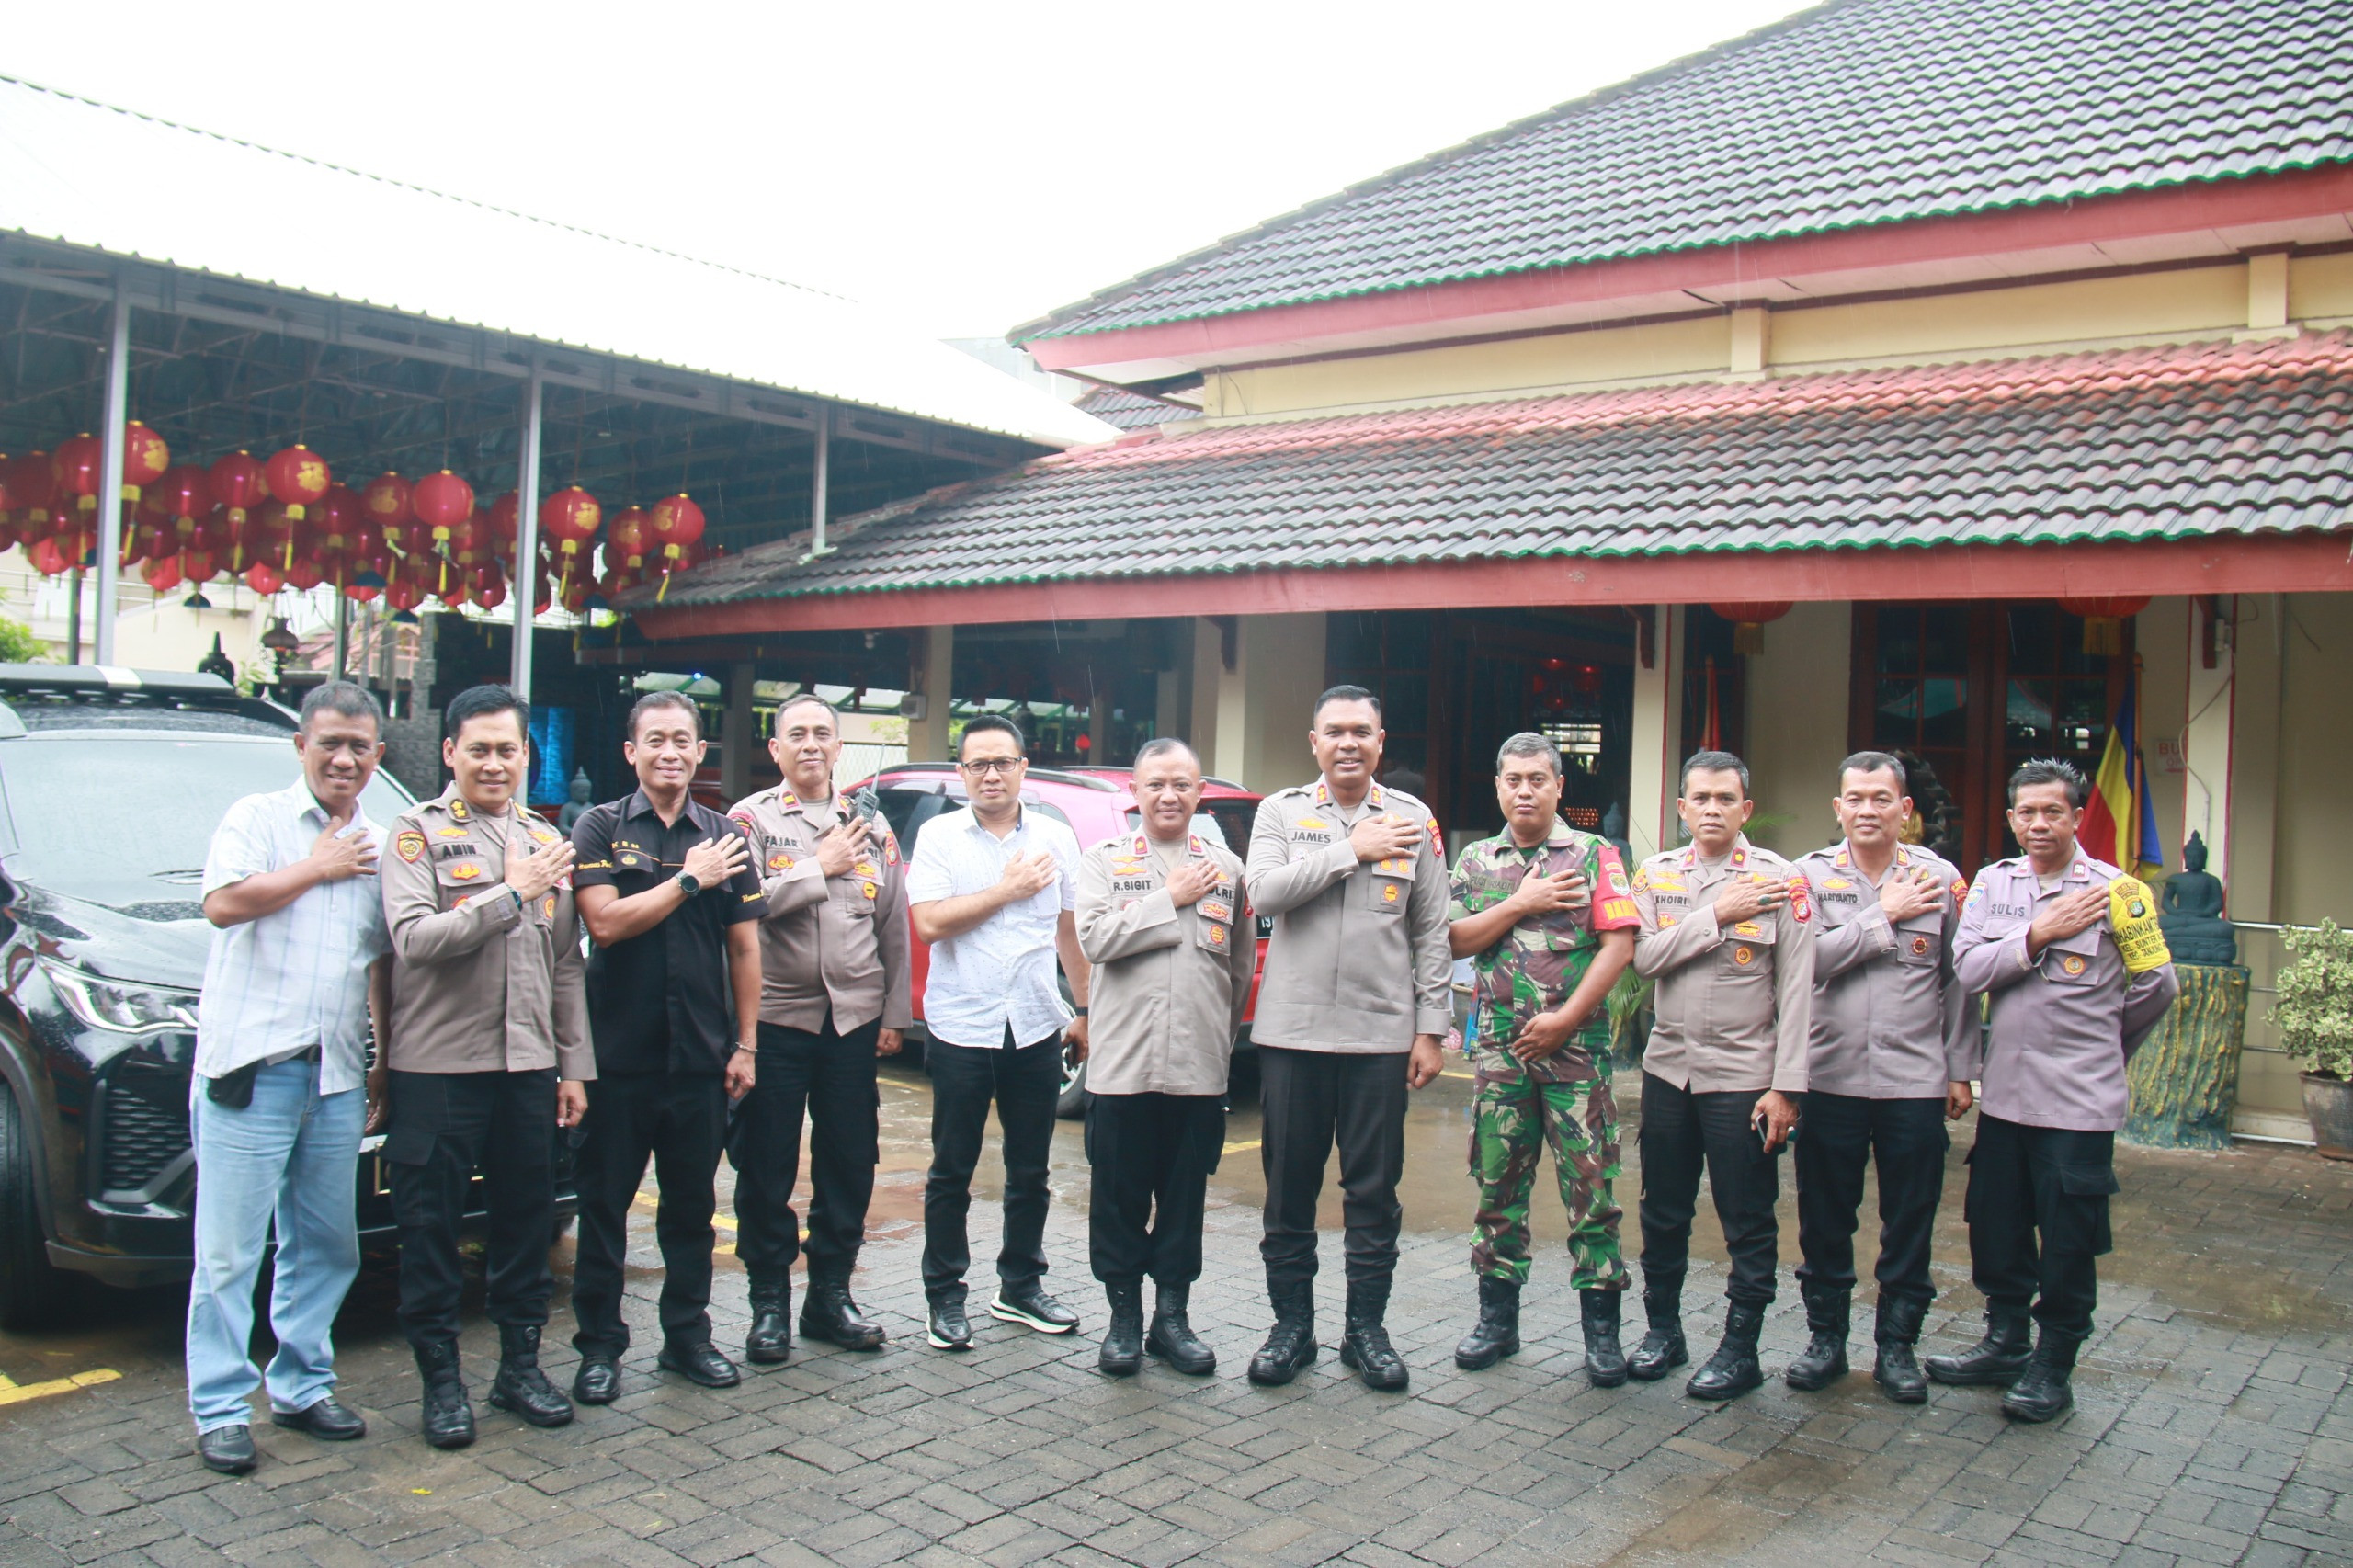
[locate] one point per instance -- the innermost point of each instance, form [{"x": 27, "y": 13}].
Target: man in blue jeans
[
  {"x": 298, "y": 966},
  {"x": 993, "y": 888}
]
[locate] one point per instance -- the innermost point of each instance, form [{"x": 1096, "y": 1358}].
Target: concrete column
[
  {"x": 1797, "y": 722},
  {"x": 934, "y": 676},
  {"x": 1209, "y": 663},
  {"x": 1264, "y": 702},
  {"x": 1752, "y": 340},
  {"x": 740, "y": 741},
  {"x": 1168, "y": 695},
  {"x": 1658, "y": 726},
  {"x": 2206, "y": 741}
]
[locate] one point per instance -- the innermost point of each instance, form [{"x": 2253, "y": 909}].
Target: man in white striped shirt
[{"x": 299, "y": 962}]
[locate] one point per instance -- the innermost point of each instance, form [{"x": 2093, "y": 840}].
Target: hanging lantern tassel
[
  {"x": 2104, "y": 620},
  {"x": 1748, "y": 623}
]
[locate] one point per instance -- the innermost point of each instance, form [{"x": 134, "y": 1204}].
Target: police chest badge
[
  {"x": 409, "y": 846},
  {"x": 1215, "y": 935},
  {"x": 1743, "y": 956},
  {"x": 2072, "y": 962},
  {"x": 779, "y": 861},
  {"x": 1919, "y": 946},
  {"x": 2132, "y": 917},
  {"x": 466, "y": 872},
  {"x": 547, "y": 907}
]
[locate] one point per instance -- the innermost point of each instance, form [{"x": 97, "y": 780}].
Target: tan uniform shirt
[
  {"x": 1888, "y": 1015},
  {"x": 1358, "y": 961},
  {"x": 482, "y": 981},
  {"x": 1735, "y": 1007},
  {"x": 1170, "y": 983},
  {"x": 828, "y": 944}
]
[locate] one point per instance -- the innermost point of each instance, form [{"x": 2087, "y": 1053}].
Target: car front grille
[{"x": 143, "y": 1134}]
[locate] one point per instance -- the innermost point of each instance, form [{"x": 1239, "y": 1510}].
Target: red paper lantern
[
  {"x": 162, "y": 574},
  {"x": 185, "y": 494},
  {"x": 470, "y": 541},
  {"x": 505, "y": 515},
  {"x": 1748, "y": 620},
  {"x": 677, "y": 522},
  {"x": 385, "y": 501},
  {"x": 2104, "y": 618},
  {"x": 569, "y": 519},
  {"x": 304, "y": 572},
  {"x": 298, "y": 476},
  {"x": 198, "y": 565},
  {"x": 47, "y": 556},
  {"x": 239, "y": 484},
  {"x": 403, "y": 594},
  {"x": 76, "y": 464},
  {"x": 338, "y": 523},
  {"x": 441, "y": 501},
  {"x": 33, "y": 488},
  {"x": 486, "y": 585},
  {"x": 628, "y": 538},
  {"x": 263, "y": 579},
  {"x": 145, "y": 458}
]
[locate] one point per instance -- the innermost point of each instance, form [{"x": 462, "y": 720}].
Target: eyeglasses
[{"x": 994, "y": 763}]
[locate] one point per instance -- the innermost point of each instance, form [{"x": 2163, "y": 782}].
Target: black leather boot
[
  {"x": 2041, "y": 1393},
  {"x": 521, "y": 1387},
  {"x": 1605, "y": 1359},
  {"x": 1662, "y": 1350},
  {"x": 768, "y": 1341},
  {"x": 1898, "y": 1370},
  {"x": 1171, "y": 1335},
  {"x": 1122, "y": 1352},
  {"x": 1824, "y": 1359},
  {"x": 1496, "y": 1333},
  {"x": 1998, "y": 1358},
  {"x": 1732, "y": 1371},
  {"x": 831, "y": 1313},
  {"x": 1290, "y": 1345},
  {"x": 448, "y": 1416},
  {"x": 1364, "y": 1343}
]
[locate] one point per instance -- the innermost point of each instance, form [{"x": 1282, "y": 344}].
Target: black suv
[{"x": 111, "y": 782}]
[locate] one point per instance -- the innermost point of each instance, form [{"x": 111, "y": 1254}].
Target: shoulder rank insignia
[
  {"x": 457, "y": 809},
  {"x": 409, "y": 845}
]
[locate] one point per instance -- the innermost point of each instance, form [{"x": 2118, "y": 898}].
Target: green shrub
[{"x": 2315, "y": 1007}]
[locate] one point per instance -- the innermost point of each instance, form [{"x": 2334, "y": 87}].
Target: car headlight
[{"x": 119, "y": 1008}]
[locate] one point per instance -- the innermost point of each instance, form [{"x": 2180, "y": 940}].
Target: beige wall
[
  {"x": 1797, "y": 724},
  {"x": 2186, "y": 302},
  {"x": 1264, "y": 704}
]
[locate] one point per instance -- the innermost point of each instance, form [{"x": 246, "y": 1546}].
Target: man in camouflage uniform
[{"x": 1524, "y": 902}]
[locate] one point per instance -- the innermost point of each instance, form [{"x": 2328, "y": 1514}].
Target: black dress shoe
[
  {"x": 229, "y": 1449},
  {"x": 831, "y": 1314},
  {"x": 699, "y": 1364},
  {"x": 1032, "y": 1308},
  {"x": 325, "y": 1420},
  {"x": 948, "y": 1329},
  {"x": 598, "y": 1381}
]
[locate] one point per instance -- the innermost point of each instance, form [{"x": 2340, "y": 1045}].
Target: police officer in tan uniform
[
  {"x": 1727, "y": 933},
  {"x": 1894, "y": 1048},
  {"x": 1351, "y": 1008},
  {"x": 489, "y": 1054},
  {"x": 1162, "y": 918},
  {"x": 835, "y": 994}
]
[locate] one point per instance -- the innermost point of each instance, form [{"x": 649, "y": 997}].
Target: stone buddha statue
[
  {"x": 576, "y": 807},
  {"x": 2192, "y": 913}
]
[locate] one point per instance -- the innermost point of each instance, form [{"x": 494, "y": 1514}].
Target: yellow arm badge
[{"x": 2132, "y": 917}]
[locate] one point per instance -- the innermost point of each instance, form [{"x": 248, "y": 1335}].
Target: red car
[{"x": 1096, "y": 803}]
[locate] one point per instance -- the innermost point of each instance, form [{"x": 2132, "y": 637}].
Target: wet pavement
[{"x": 2214, "y": 1422}]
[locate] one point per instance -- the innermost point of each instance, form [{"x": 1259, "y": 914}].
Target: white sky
[{"x": 965, "y": 166}]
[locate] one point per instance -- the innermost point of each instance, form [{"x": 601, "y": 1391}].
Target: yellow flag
[{"x": 2133, "y": 916}]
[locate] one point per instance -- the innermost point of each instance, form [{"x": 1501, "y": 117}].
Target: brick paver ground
[{"x": 2214, "y": 1424}]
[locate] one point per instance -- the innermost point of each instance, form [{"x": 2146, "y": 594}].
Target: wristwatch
[{"x": 690, "y": 885}]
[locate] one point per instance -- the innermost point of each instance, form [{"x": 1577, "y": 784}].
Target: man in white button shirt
[
  {"x": 298, "y": 965},
  {"x": 993, "y": 888}
]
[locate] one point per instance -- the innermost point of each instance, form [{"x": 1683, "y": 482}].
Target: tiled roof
[
  {"x": 2150, "y": 443},
  {"x": 1856, "y": 113},
  {"x": 1126, "y": 410}
]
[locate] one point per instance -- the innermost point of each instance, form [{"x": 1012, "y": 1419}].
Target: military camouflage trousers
[{"x": 1513, "y": 1121}]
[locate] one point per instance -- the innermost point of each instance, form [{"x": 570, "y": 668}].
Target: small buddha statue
[
  {"x": 576, "y": 807},
  {"x": 2191, "y": 915}
]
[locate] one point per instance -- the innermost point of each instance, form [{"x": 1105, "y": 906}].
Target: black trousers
[
  {"x": 1682, "y": 1131},
  {"x": 679, "y": 1120},
  {"x": 1025, "y": 1082},
  {"x": 1311, "y": 1100},
  {"x": 1906, "y": 1139},
  {"x": 831, "y": 1078},
  {"x": 1152, "y": 1157},
  {"x": 443, "y": 1125},
  {"x": 2037, "y": 1217}
]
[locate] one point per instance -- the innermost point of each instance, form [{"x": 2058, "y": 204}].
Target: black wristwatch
[{"x": 690, "y": 885}]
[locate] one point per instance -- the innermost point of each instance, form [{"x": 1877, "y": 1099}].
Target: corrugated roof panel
[{"x": 81, "y": 173}]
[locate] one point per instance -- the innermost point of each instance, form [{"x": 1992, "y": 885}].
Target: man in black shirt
[{"x": 670, "y": 897}]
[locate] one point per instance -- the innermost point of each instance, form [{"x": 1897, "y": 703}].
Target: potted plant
[{"x": 2315, "y": 1018}]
